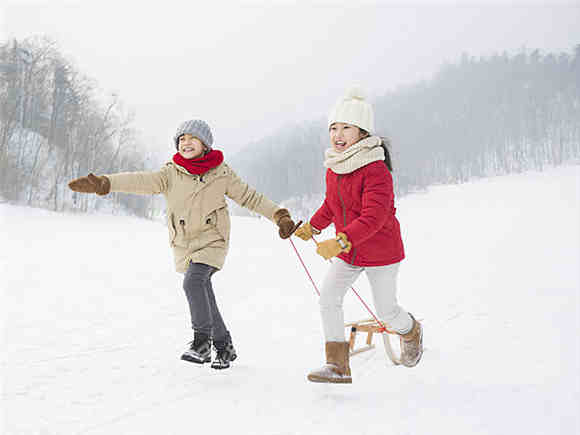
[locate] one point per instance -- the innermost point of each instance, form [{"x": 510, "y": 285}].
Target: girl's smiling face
[
  {"x": 343, "y": 136},
  {"x": 190, "y": 147}
]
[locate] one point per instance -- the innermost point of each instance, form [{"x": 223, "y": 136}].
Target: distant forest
[
  {"x": 477, "y": 117},
  {"x": 55, "y": 125}
]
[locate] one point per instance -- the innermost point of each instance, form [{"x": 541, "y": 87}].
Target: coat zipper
[
  {"x": 341, "y": 201},
  {"x": 344, "y": 214}
]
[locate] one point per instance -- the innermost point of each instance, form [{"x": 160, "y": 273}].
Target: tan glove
[
  {"x": 332, "y": 247},
  {"x": 306, "y": 231},
  {"x": 91, "y": 184},
  {"x": 285, "y": 223}
]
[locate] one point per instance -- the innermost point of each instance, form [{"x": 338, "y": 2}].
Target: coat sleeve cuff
[{"x": 314, "y": 229}]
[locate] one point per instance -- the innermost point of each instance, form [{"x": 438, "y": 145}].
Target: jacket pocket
[
  {"x": 211, "y": 219},
  {"x": 171, "y": 229},
  {"x": 219, "y": 220},
  {"x": 177, "y": 231}
]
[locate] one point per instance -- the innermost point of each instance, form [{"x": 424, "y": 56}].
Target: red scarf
[{"x": 200, "y": 165}]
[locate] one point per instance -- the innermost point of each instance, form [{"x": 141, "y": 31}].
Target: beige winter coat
[{"x": 197, "y": 214}]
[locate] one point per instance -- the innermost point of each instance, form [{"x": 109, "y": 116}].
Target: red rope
[
  {"x": 304, "y": 266},
  {"x": 383, "y": 326}
]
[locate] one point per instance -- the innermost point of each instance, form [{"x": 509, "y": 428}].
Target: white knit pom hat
[{"x": 353, "y": 109}]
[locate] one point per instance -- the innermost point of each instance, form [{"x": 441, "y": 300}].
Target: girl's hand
[
  {"x": 285, "y": 223},
  {"x": 332, "y": 247},
  {"x": 306, "y": 231},
  {"x": 91, "y": 184}
]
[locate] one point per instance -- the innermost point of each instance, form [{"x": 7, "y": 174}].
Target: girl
[
  {"x": 195, "y": 184},
  {"x": 360, "y": 203}
]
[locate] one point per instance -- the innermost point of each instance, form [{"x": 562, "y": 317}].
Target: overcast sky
[{"x": 251, "y": 67}]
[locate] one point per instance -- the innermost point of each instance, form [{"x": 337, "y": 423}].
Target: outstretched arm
[
  {"x": 322, "y": 218},
  {"x": 143, "y": 183},
  {"x": 247, "y": 197}
]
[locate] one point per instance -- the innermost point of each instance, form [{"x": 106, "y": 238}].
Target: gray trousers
[
  {"x": 205, "y": 315},
  {"x": 383, "y": 281}
]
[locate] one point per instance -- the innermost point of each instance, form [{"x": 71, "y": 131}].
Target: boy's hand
[
  {"x": 91, "y": 184},
  {"x": 285, "y": 223},
  {"x": 332, "y": 247}
]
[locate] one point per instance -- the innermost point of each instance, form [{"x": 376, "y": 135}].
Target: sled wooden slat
[{"x": 371, "y": 326}]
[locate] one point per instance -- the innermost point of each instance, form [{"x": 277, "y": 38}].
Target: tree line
[
  {"x": 56, "y": 125},
  {"x": 476, "y": 117},
  {"x": 486, "y": 116}
]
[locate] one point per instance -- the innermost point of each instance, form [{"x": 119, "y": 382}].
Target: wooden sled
[{"x": 371, "y": 326}]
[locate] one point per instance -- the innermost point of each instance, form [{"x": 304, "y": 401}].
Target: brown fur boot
[
  {"x": 412, "y": 345},
  {"x": 337, "y": 368}
]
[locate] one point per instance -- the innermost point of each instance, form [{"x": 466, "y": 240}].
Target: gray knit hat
[{"x": 196, "y": 128}]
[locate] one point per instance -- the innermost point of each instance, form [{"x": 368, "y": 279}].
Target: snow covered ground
[{"x": 95, "y": 319}]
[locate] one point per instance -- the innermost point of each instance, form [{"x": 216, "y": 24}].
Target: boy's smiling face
[{"x": 190, "y": 147}]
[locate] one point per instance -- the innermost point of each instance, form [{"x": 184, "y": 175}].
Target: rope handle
[
  {"x": 304, "y": 266},
  {"x": 382, "y": 324}
]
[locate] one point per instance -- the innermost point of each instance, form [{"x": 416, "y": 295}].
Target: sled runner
[{"x": 371, "y": 326}]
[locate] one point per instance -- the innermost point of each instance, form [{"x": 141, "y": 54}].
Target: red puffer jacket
[{"x": 361, "y": 205}]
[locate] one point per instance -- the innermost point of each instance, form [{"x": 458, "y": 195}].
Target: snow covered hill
[{"x": 95, "y": 319}]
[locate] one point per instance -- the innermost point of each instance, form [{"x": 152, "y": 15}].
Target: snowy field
[{"x": 95, "y": 319}]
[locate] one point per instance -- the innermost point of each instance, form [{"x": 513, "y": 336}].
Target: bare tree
[{"x": 54, "y": 127}]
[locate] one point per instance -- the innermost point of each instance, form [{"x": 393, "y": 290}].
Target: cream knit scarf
[{"x": 360, "y": 154}]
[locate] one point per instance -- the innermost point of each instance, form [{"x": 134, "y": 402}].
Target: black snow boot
[
  {"x": 225, "y": 353},
  {"x": 199, "y": 351}
]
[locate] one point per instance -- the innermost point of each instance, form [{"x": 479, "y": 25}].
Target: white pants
[{"x": 383, "y": 281}]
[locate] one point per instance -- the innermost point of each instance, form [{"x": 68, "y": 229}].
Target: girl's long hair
[{"x": 385, "y": 145}]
